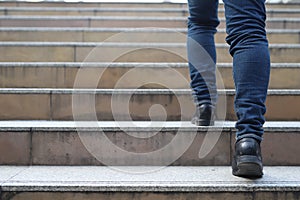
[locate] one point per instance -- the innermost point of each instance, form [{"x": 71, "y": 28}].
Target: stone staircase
[{"x": 52, "y": 55}]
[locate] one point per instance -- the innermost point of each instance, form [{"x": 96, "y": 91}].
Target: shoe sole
[
  {"x": 249, "y": 166},
  {"x": 203, "y": 123}
]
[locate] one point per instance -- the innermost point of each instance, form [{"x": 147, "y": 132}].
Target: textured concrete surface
[
  {"x": 127, "y": 196},
  {"x": 62, "y": 143},
  {"x": 178, "y": 104},
  {"x": 131, "y": 52},
  {"x": 142, "y": 11},
  {"x": 8, "y": 172},
  {"x": 277, "y": 126},
  {"x": 15, "y": 147},
  {"x": 146, "y": 179},
  {"x": 82, "y": 34},
  {"x": 63, "y": 75},
  {"x": 123, "y": 21}
]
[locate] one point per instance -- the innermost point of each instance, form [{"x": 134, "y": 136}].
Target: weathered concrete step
[
  {"x": 281, "y": 12},
  {"x": 98, "y": 4},
  {"x": 116, "y": 104},
  {"x": 63, "y": 75},
  {"x": 122, "y": 52},
  {"x": 125, "y": 11},
  {"x": 169, "y": 183},
  {"x": 112, "y": 11},
  {"x": 122, "y": 21},
  {"x": 282, "y": 5},
  {"x": 288, "y": 36},
  {"x": 162, "y": 143},
  {"x": 127, "y": 5}
]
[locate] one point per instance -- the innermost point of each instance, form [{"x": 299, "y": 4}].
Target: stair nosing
[
  {"x": 133, "y": 126},
  {"x": 128, "y": 44},
  {"x": 126, "y": 18},
  {"x": 125, "y": 65},
  {"x": 131, "y": 30},
  {"x": 228, "y": 92},
  {"x": 128, "y": 9},
  {"x": 106, "y": 9}
]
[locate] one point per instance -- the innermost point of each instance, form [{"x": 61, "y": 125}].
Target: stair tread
[
  {"x": 128, "y": 44},
  {"x": 121, "y": 29},
  {"x": 184, "y": 18},
  {"x": 144, "y": 179},
  {"x": 129, "y": 91},
  {"x": 125, "y": 64},
  {"x": 284, "y": 126},
  {"x": 128, "y": 9}
]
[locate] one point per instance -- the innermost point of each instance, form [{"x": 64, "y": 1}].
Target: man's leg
[
  {"x": 202, "y": 24},
  {"x": 251, "y": 69}
]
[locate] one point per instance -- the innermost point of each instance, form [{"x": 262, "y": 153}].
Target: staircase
[{"x": 61, "y": 124}]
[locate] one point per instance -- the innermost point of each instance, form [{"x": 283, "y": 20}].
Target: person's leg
[
  {"x": 202, "y": 24},
  {"x": 251, "y": 69}
]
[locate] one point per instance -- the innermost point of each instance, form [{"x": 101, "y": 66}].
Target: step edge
[
  {"x": 128, "y": 9},
  {"x": 134, "y": 30},
  {"x": 126, "y": 18},
  {"x": 293, "y": 92},
  {"x": 126, "y": 44},
  {"x": 124, "y": 64},
  {"x": 141, "y": 126}
]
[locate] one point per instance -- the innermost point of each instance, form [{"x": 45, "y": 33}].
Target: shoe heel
[
  {"x": 249, "y": 170},
  {"x": 204, "y": 123},
  {"x": 249, "y": 166}
]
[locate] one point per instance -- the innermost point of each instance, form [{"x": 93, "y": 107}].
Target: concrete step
[
  {"x": 109, "y": 11},
  {"x": 63, "y": 75},
  {"x": 101, "y": 4},
  {"x": 123, "y": 21},
  {"x": 288, "y": 36},
  {"x": 145, "y": 143},
  {"x": 125, "y": 11},
  {"x": 169, "y": 183},
  {"x": 122, "y": 52},
  {"x": 116, "y": 104},
  {"x": 281, "y": 12},
  {"x": 281, "y": 5},
  {"x": 127, "y": 5}
]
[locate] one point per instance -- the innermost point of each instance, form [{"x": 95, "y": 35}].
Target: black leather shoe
[
  {"x": 204, "y": 115},
  {"x": 247, "y": 161}
]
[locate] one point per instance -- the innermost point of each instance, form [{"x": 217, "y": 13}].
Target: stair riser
[
  {"x": 66, "y": 148},
  {"x": 90, "y": 22},
  {"x": 77, "y": 53},
  {"x": 282, "y": 14},
  {"x": 100, "y": 5},
  {"x": 103, "y": 13},
  {"x": 129, "y": 5},
  {"x": 59, "y": 107},
  {"x": 150, "y": 196},
  {"x": 97, "y": 36},
  {"x": 64, "y": 77},
  {"x": 95, "y": 12}
]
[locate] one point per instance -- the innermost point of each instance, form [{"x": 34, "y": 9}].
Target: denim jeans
[{"x": 246, "y": 35}]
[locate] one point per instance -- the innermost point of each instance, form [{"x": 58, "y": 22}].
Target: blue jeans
[{"x": 246, "y": 35}]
